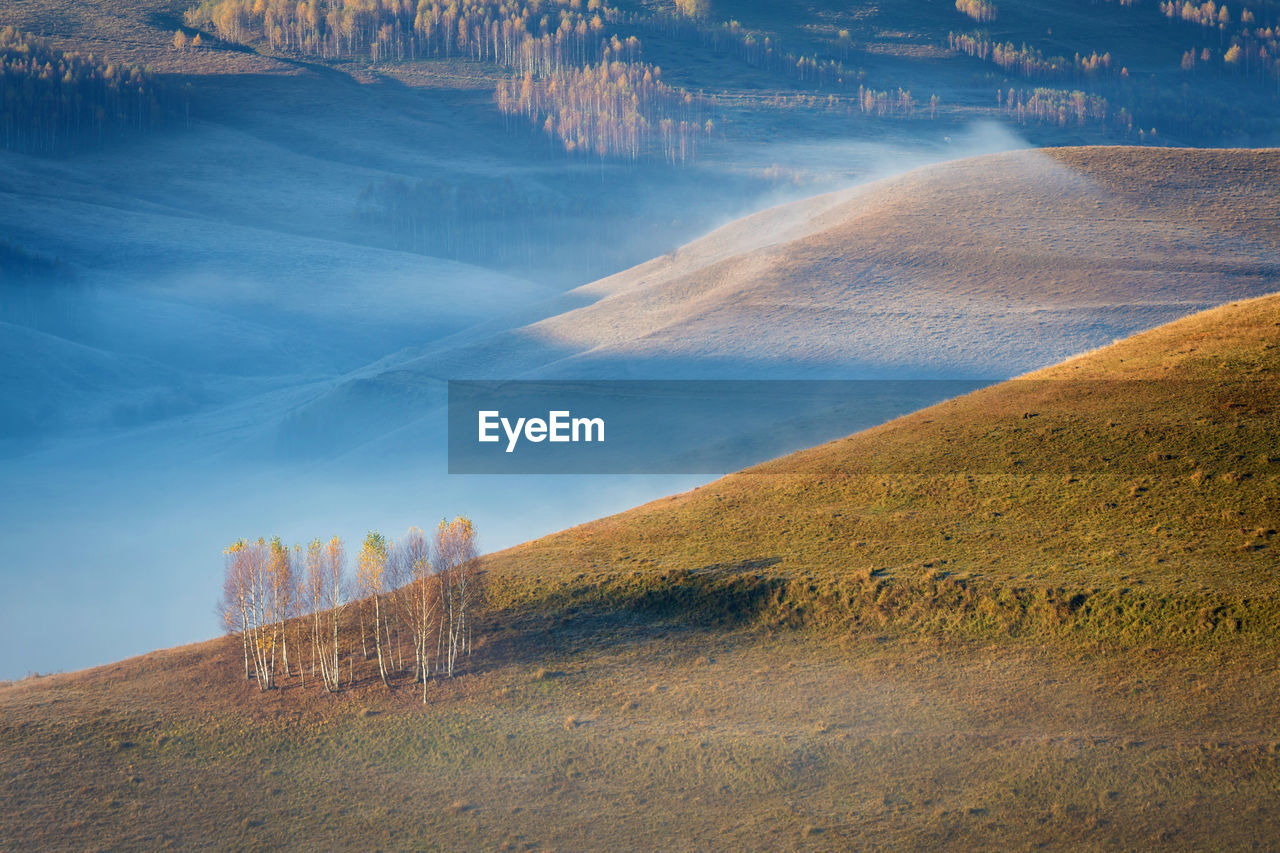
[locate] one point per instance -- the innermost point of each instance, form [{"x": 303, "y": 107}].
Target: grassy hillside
[
  {"x": 1039, "y": 614},
  {"x": 1129, "y": 493}
]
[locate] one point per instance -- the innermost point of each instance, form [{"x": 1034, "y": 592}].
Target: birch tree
[
  {"x": 455, "y": 548},
  {"x": 250, "y": 603},
  {"x": 335, "y": 568},
  {"x": 419, "y": 595},
  {"x": 370, "y": 575},
  {"x": 234, "y": 606},
  {"x": 326, "y": 565},
  {"x": 280, "y": 588}
]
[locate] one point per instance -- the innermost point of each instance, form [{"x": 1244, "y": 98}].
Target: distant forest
[
  {"x": 571, "y": 76},
  {"x": 54, "y": 102},
  {"x": 1234, "y": 56},
  {"x": 581, "y": 87}
]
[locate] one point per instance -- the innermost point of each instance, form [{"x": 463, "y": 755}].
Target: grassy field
[{"x": 1042, "y": 614}]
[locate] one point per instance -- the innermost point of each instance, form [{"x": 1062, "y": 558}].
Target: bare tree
[
  {"x": 234, "y": 606},
  {"x": 429, "y": 590},
  {"x": 250, "y": 603},
  {"x": 280, "y": 589},
  {"x": 419, "y": 594},
  {"x": 326, "y": 566}
]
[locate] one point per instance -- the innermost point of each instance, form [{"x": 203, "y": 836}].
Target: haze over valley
[{"x": 246, "y": 246}]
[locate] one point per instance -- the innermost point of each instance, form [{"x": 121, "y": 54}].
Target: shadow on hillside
[{"x": 611, "y": 612}]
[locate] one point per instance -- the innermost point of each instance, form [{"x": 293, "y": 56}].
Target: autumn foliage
[
  {"x": 979, "y": 10},
  {"x": 54, "y": 102},
  {"x": 298, "y": 613},
  {"x": 614, "y": 108}
]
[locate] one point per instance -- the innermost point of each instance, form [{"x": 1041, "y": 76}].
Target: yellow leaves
[{"x": 372, "y": 561}]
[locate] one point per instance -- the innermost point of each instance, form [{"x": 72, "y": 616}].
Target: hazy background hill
[{"x": 978, "y": 268}]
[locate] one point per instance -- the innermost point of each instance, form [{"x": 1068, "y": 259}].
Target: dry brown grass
[
  {"x": 972, "y": 490},
  {"x": 872, "y": 742}
]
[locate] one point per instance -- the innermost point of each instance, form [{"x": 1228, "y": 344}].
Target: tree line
[
  {"x": 584, "y": 89},
  {"x": 1060, "y": 107},
  {"x": 533, "y": 35},
  {"x": 54, "y": 102},
  {"x": 1028, "y": 61},
  {"x": 1245, "y": 45},
  {"x": 298, "y": 612},
  {"x": 613, "y": 108},
  {"x": 581, "y": 85}
]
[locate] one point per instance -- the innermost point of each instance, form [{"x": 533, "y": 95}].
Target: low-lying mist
[{"x": 142, "y": 424}]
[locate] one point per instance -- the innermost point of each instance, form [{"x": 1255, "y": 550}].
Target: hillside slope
[
  {"x": 1125, "y": 492},
  {"x": 1145, "y": 471},
  {"x": 965, "y": 267}
]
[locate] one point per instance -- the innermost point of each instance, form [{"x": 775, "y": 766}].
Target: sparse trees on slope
[
  {"x": 248, "y": 606},
  {"x": 275, "y": 596}
]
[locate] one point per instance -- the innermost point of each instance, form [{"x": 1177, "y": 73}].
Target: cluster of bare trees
[
  {"x": 52, "y": 102},
  {"x": 297, "y": 612},
  {"x": 899, "y": 103},
  {"x": 1028, "y": 61},
  {"x": 980, "y": 10},
  {"x": 1054, "y": 106},
  {"x": 583, "y": 88},
  {"x": 613, "y": 108}
]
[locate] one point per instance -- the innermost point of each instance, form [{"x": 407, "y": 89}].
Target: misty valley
[{"x": 639, "y": 424}]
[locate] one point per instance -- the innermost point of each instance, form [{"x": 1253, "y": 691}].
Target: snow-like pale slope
[
  {"x": 985, "y": 267},
  {"x": 979, "y": 267}
]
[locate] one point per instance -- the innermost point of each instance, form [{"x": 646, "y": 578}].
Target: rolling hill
[
  {"x": 1042, "y": 613},
  {"x": 979, "y": 268}
]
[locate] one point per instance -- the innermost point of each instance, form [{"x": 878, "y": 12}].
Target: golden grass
[{"x": 1121, "y": 493}]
